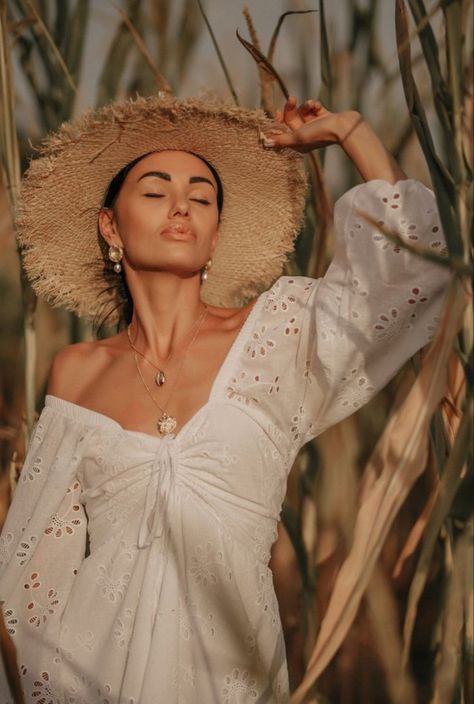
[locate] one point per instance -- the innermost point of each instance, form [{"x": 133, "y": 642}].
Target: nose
[{"x": 179, "y": 206}]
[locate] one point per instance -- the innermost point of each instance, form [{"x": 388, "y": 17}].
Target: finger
[
  {"x": 279, "y": 116},
  {"x": 308, "y": 113},
  {"x": 290, "y": 112},
  {"x": 311, "y": 106},
  {"x": 277, "y": 139}
]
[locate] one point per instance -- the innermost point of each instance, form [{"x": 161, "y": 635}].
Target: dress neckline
[{"x": 87, "y": 415}]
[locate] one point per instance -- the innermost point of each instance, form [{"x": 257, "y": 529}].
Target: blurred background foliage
[{"x": 407, "y": 66}]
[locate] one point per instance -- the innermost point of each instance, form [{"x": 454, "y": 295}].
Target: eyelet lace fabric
[{"x": 174, "y": 602}]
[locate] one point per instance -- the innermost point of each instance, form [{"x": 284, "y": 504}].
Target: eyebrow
[{"x": 167, "y": 177}]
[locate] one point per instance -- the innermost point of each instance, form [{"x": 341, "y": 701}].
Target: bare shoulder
[{"x": 74, "y": 367}]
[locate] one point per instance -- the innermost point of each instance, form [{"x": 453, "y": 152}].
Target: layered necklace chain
[
  {"x": 165, "y": 423},
  {"x": 160, "y": 377}
]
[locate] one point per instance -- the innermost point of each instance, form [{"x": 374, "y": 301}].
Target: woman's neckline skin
[{"x": 86, "y": 415}]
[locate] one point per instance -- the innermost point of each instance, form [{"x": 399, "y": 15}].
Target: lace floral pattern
[
  {"x": 207, "y": 565},
  {"x": 42, "y": 600},
  {"x": 112, "y": 587},
  {"x": 65, "y": 523},
  {"x": 239, "y": 686}
]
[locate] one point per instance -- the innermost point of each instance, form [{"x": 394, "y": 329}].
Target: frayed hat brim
[{"x": 63, "y": 190}]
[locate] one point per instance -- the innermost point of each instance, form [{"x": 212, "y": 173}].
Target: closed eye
[
  {"x": 201, "y": 200},
  {"x": 153, "y": 195}
]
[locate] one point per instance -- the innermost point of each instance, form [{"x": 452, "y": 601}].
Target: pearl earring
[
  {"x": 115, "y": 255},
  {"x": 204, "y": 272}
]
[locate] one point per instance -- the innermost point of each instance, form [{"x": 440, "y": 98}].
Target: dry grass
[{"x": 365, "y": 564}]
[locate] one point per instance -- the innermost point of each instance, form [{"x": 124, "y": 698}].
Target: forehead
[{"x": 174, "y": 162}]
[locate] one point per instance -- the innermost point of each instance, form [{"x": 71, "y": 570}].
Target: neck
[{"x": 165, "y": 308}]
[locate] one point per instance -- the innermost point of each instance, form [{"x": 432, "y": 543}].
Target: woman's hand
[{"x": 311, "y": 126}]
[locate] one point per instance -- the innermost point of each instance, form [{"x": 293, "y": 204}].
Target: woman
[{"x": 168, "y": 445}]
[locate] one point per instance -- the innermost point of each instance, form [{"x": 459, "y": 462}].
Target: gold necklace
[
  {"x": 166, "y": 423},
  {"x": 160, "y": 377}
]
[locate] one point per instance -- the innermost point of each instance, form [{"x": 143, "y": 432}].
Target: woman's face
[{"x": 165, "y": 216}]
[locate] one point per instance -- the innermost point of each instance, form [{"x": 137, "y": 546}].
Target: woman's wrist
[
  {"x": 364, "y": 148},
  {"x": 346, "y": 123}
]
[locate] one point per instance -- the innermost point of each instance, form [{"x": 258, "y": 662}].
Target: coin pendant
[
  {"x": 166, "y": 424},
  {"x": 160, "y": 378}
]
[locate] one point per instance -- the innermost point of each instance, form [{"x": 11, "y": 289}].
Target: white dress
[{"x": 174, "y": 601}]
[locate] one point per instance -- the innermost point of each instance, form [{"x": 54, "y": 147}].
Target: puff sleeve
[
  {"x": 43, "y": 540},
  {"x": 377, "y": 304}
]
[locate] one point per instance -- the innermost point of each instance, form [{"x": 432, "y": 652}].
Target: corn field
[{"x": 401, "y": 629}]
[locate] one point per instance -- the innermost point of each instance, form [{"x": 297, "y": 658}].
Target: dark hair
[
  {"x": 117, "y": 182},
  {"x": 119, "y": 281}
]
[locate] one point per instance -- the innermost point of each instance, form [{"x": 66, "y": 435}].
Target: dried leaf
[
  {"x": 401, "y": 454},
  {"x": 448, "y": 487},
  {"x": 458, "y": 595},
  {"x": 384, "y": 616},
  {"x": 276, "y": 31},
  {"x": 443, "y": 183},
  {"x": 265, "y": 80},
  {"x": 263, "y": 64}
]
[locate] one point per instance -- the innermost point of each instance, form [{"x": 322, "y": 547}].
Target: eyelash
[{"x": 159, "y": 195}]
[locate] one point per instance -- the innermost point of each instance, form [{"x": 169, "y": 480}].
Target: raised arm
[{"x": 311, "y": 126}]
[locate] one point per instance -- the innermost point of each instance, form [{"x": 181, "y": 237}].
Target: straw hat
[{"x": 66, "y": 258}]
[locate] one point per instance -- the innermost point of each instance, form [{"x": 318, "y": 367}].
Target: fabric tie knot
[{"x": 153, "y": 522}]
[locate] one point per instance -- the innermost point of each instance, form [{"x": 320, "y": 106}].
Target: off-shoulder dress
[{"x": 174, "y": 602}]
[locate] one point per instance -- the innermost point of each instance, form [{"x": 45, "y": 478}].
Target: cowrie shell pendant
[{"x": 160, "y": 378}]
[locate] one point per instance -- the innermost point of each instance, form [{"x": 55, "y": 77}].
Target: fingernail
[{"x": 268, "y": 142}]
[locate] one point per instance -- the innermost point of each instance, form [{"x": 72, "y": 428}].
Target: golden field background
[{"x": 407, "y": 66}]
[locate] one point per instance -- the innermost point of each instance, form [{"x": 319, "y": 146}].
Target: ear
[{"x": 108, "y": 227}]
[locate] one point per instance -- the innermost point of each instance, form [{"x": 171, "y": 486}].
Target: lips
[{"x": 178, "y": 232}]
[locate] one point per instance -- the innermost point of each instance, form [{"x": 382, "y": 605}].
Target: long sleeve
[
  {"x": 43, "y": 540},
  {"x": 377, "y": 305}
]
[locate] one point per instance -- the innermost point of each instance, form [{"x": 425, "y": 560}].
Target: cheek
[
  {"x": 211, "y": 221},
  {"x": 136, "y": 219}
]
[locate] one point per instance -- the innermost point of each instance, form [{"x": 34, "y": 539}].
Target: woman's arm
[{"x": 311, "y": 126}]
